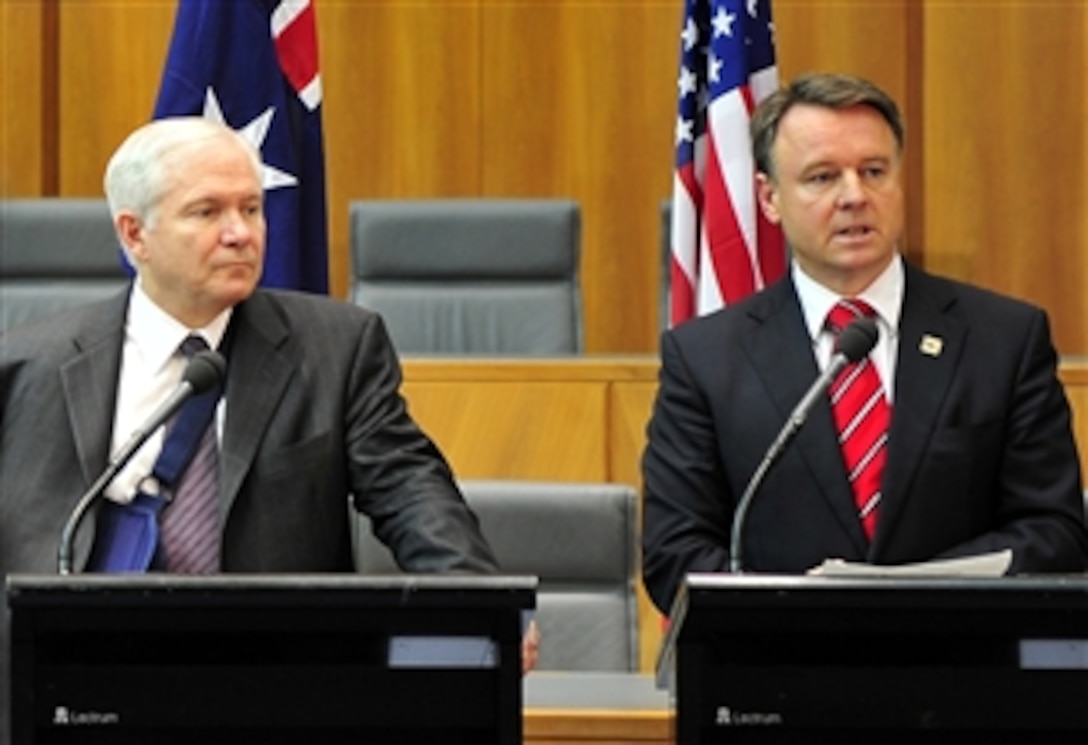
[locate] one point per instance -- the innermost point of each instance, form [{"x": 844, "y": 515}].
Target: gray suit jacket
[
  {"x": 981, "y": 454},
  {"x": 313, "y": 416}
]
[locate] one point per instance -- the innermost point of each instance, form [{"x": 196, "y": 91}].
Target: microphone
[
  {"x": 205, "y": 371},
  {"x": 855, "y": 341}
]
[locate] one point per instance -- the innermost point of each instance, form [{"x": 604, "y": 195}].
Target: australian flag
[{"x": 252, "y": 64}]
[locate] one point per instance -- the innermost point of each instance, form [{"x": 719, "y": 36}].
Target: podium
[
  {"x": 814, "y": 660},
  {"x": 254, "y": 658}
]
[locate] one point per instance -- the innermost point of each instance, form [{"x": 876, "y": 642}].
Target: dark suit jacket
[
  {"x": 313, "y": 415},
  {"x": 981, "y": 453}
]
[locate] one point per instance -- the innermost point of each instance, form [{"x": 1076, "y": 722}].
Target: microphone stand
[
  {"x": 205, "y": 370},
  {"x": 855, "y": 341},
  {"x": 785, "y": 435}
]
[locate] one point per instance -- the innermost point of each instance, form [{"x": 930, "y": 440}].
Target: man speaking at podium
[
  {"x": 951, "y": 438},
  {"x": 309, "y": 411}
]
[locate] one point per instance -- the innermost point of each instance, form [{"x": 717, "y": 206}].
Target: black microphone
[
  {"x": 855, "y": 341},
  {"x": 205, "y": 371}
]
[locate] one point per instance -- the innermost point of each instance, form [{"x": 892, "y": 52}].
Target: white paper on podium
[{"x": 993, "y": 564}]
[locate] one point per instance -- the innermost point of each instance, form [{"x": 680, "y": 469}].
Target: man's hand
[{"x": 530, "y": 647}]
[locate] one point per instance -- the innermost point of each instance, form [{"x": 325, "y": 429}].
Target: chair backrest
[
  {"x": 471, "y": 276},
  {"x": 580, "y": 541},
  {"x": 55, "y": 253}
]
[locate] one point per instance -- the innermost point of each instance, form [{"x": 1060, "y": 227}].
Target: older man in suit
[
  {"x": 968, "y": 444},
  {"x": 311, "y": 411}
]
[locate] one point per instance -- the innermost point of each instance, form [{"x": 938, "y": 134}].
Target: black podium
[
  {"x": 248, "y": 659},
  {"x": 767, "y": 659}
]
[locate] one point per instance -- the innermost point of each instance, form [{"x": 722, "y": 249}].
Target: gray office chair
[
  {"x": 55, "y": 253},
  {"x": 580, "y": 540},
  {"x": 470, "y": 276}
]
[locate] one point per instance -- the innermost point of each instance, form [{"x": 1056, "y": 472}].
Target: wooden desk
[
  {"x": 1074, "y": 375},
  {"x": 567, "y": 419},
  {"x": 573, "y": 419},
  {"x": 569, "y": 708},
  {"x": 597, "y": 727}
]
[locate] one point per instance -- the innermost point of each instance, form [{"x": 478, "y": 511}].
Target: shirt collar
[
  {"x": 885, "y": 295},
  {"x": 157, "y": 334}
]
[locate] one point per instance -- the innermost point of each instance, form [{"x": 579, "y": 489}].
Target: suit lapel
[
  {"x": 89, "y": 383},
  {"x": 257, "y": 375},
  {"x": 931, "y": 339},
  {"x": 89, "y": 386},
  {"x": 780, "y": 349}
]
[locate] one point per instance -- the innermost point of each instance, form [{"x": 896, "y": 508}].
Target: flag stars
[
  {"x": 685, "y": 131},
  {"x": 254, "y": 133},
  {"x": 753, "y": 8},
  {"x": 723, "y": 23},
  {"x": 688, "y": 82},
  {"x": 714, "y": 68},
  {"x": 690, "y": 35}
]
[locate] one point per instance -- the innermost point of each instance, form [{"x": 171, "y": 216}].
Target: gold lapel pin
[{"x": 931, "y": 345}]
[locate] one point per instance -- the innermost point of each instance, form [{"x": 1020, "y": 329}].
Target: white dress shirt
[
  {"x": 151, "y": 368},
  {"x": 885, "y": 295}
]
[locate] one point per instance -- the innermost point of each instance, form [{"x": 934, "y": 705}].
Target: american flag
[
  {"x": 722, "y": 247},
  {"x": 253, "y": 65}
]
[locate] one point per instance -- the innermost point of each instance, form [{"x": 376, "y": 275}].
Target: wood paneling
[
  {"x": 22, "y": 167},
  {"x": 579, "y": 419},
  {"x": 1074, "y": 375},
  {"x": 839, "y": 37},
  {"x": 574, "y": 98},
  {"x": 568, "y": 420},
  {"x": 579, "y": 101},
  {"x": 110, "y": 60},
  {"x": 402, "y": 106},
  {"x": 1006, "y": 161},
  {"x": 548, "y": 431},
  {"x": 598, "y": 727},
  {"x": 860, "y": 38}
]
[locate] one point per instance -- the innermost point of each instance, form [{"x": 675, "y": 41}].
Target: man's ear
[
  {"x": 130, "y": 230},
  {"x": 767, "y": 194}
]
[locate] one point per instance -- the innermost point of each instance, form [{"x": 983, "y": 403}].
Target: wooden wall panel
[
  {"x": 867, "y": 39},
  {"x": 110, "y": 63},
  {"x": 402, "y": 106},
  {"x": 631, "y": 404},
  {"x": 579, "y": 101},
  {"x": 594, "y": 726},
  {"x": 1007, "y": 153},
  {"x": 550, "y": 431},
  {"x": 551, "y": 420},
  {"x": 1074, "y": 376},
  {"x": 21, "y": 99},
  {"x": 839, "y": 37},
  {"x": 575, "y": 98}
]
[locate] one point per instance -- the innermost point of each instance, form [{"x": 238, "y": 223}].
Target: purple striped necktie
[{"x": 190, "y": 524}]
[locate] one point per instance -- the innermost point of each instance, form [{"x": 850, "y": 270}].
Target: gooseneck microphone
[
  {"x": 854, "y": 342},
  {"x": 205, "y": 370}
]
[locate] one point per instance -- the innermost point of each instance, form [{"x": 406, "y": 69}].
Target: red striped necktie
[{"x": 861, "y": 413}]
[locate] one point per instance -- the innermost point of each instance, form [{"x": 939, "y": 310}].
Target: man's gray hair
[{"x": 137, "y": 176}]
